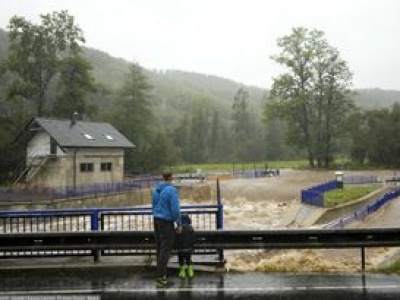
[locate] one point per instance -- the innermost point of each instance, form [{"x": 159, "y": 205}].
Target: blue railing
[
  {"x": 97, "y": 218},
  {"x": 30, "y": 194},
  {"x": 204, "y": 217},
  {"x": 315, "y": 195},
  {"x": 365, "y": 211}
]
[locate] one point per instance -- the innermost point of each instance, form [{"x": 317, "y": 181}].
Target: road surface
[{"x": 124, "y": 283}]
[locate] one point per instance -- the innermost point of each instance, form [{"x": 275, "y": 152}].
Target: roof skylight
[
  {"x": 88, "y": 136},
  {"x": 109, "y": 137}
]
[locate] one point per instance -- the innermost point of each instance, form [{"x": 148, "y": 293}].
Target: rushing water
[{"x": 249, "y": 211}]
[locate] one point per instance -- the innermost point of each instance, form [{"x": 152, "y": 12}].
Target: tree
[
  {"x": 313, "y": 96},
  {"x": 357, "y": 127},
  {"x": 75, "y": 81},
  {"x": 35, "y": 52},
  {"x": 161, "y": 152},
  {"x": 375, "y": 136},
  {"x": 198, "y": 142},
  {"x": 181, "y": 138},
  {"x": 240, "y": 123},
  {"x": 133, "y": 115},
  {"x": 214, "y": 143}
]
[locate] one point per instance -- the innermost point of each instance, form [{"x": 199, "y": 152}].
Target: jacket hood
[{"x": 162, "y": 186}]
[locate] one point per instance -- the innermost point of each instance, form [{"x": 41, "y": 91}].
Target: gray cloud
[{"x": 232, "y": 38}]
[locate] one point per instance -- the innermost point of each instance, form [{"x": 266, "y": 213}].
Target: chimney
[{"x": 74, "y": 118}]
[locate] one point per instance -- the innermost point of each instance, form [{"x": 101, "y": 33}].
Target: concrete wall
[
  {"x": 339, "y": 211},
  {"x": 64, "y": 170}
]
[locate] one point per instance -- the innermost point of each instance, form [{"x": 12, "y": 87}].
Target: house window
[
  {"x": 106, "y": 167},
  {"x": 86, "y": 167}
]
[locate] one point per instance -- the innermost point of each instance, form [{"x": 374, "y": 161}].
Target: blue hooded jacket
[{"x": 165, "y": 203}]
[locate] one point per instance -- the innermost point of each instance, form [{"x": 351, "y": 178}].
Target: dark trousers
[
  {"x": 164, "y": 237},
  {"x": 184, "y": 257}
]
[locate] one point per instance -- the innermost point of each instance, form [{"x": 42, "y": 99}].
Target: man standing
[{"x": 166, "y": 212}]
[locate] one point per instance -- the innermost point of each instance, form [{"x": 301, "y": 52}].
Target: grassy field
[
  {"x": 347, "y": 194},
  {"x": 339, "y": 164},
  {"x": 292, "y": 164},
  {"x": 394, "y": 268}
]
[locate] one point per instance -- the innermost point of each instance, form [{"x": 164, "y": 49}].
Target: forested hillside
[
  {"x": 376, "y": 98},
  {"x": 172, "y": 116},
  {"x": 110, "y": 72}
]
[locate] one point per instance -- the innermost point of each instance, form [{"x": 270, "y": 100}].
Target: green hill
[
  {"x": 179, "y": 89},
  {"x": 376, "y": 98}
]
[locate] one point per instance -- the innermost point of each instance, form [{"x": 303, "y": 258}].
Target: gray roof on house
[{"x": 81, "y": 134}]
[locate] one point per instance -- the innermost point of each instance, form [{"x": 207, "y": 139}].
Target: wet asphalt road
[{"x": 128, "y": 283}]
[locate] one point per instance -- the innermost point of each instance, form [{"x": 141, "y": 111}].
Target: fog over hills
[{"x": 110, "y": 71}]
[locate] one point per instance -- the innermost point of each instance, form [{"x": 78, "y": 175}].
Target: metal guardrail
[
  {"x": 90, "y": 242},
  {"x": 139, "y": 218},
  {"x": 204, "y": 217},
  {"x": 133, "y": 219}
]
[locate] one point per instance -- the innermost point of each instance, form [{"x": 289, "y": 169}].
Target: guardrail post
[
  {"x": 220, "y": 211},
  {"x": 363, "y": 258},
  {"x": 220, "y": 221},
  {"x": 94, "y": 224}
]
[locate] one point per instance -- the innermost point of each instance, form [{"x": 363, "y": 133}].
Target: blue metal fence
[
  {"x": 365, "y": 211},
  {"x": 31, "y": 194},
  {"x": 315, "y": 195}
]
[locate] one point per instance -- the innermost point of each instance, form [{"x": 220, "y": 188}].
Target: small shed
[{"x": 68, "y": 153}]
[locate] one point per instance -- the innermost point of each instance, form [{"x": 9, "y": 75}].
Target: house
[{"x": 68, "y": 153}]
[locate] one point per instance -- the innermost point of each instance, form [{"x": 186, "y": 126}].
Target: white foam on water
[{"x": 241, "y": 213}]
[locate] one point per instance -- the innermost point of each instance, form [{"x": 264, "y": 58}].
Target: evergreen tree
[
  {"x": 133, "y": 115},
  {"x": 75, "y": 81},
  {"x": 241, "y": 131},
  {"x": 198, "y": 147}
]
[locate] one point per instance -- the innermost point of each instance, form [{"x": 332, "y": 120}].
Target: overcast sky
[{"x": 232, "y": 38}]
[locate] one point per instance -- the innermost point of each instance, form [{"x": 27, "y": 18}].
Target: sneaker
[
  {"x": 182, "y": 272},
  {"x": 190, "y": 271},
  {"x": 161, "y": 282}
]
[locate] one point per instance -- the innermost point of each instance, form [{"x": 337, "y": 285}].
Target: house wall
[
  {"x": 39, "y": 145},
  {"x": 96, "y": 157},
  {"x": 64, "y": 170}
]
